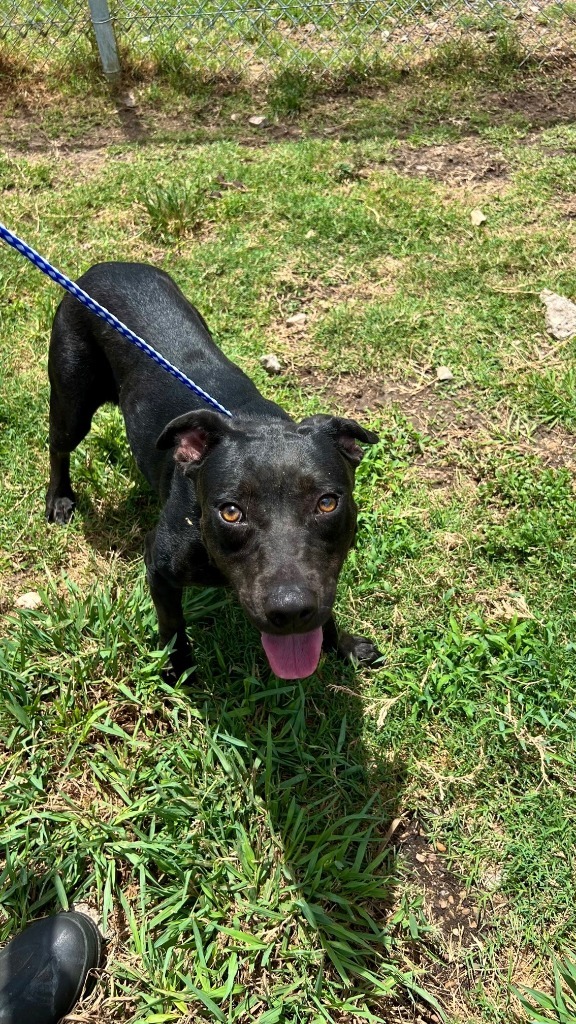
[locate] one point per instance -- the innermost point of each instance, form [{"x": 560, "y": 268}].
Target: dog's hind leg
[{"x": 80, "y": 382}]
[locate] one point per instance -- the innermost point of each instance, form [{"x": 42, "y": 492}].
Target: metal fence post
[{"x": 104, "y": 32}]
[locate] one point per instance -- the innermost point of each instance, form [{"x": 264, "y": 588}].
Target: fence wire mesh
[
  {"x": 34, "y": 30},
  {"x": 254, "y": 37}
]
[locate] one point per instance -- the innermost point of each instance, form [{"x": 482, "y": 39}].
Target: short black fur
[{"x": 284, "y": 555}]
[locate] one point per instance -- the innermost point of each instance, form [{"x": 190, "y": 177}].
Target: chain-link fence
[{"x": 251, "y": 38}]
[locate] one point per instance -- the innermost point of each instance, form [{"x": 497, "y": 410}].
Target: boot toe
[{"x": 44, "y": 969}]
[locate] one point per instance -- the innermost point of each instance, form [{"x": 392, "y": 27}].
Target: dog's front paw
[
  {"x": 59, "y": 510},
  {"x": 179, "y": 662},
  {"x": 359, "y": 649},
  {"x": 172, "y": 674}
]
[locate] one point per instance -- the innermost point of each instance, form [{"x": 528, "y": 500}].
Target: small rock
[
  {"x": 29, "y": 601},
  {"x": 271, "y": 364},
  {"x": 444, "y": 373},
  {"x": 258, "y": 121},
  {"x": 440, "y": 847},
  {"x": 298, "y": 318},
  {"x": 421, "y": 858},
  {"x": 310, "y": 234},
  {"x": 560, "y": 315},
  {"x": 477, "y": 218},
  {"x": 443, "y": 904}
]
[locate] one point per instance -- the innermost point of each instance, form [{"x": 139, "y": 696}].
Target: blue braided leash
[{"x": 11, "y": 239}]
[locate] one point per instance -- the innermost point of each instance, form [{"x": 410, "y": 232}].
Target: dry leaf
[
  {"x": 477, "y": 218},
  {"x": 29, "y": 601},
  {"x": 387, "y": 703},
  {"x": 127, "y": 100},
  {"x": 238, "y": 185},
  {"x": 512, "y": 607},
  {"x": 271, "y": 364},
  {"x": 444, "y": 373}
]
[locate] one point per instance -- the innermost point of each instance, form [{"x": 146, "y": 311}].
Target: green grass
[
  {"x": 189, "y": 44},
  {"x": 238, "y": 835},
  {"x": 559, "y": 1007}
]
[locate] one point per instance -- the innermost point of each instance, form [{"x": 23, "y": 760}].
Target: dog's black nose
[{"x": 290, "y": 607}]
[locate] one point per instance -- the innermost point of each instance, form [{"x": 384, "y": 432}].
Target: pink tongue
[{"x": 293, "y": 657}]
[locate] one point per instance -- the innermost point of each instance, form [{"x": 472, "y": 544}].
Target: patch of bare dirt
[
  {"x": 459, "y": 923},
  {"x": 556, "y": 447},
  {"x": 377, "y": 281},
  {"x": 429, "y": 407},
  {"x": 568, "y": 209},
  {"x": 448, "y": 905},
  {"x": 466, "y": 163},
  {"x": 540, "y": 106},
  {"x": 27, "y": 106},
  {"x": 448, "y": 415}
]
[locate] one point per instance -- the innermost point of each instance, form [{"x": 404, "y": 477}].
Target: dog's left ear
[
  {"x": 344, "y": 432},
  {"x": 194, "y": 435}
]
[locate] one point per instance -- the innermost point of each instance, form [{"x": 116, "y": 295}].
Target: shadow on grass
[
  {"x": 238, "y": 822},
  {"x": 331, "y": 811},
  {"x": 458, "y": 82},
  {"x": 121, "y": 526}
]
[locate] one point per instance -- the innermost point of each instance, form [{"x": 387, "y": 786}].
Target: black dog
[{"x": 256, "y": 501}]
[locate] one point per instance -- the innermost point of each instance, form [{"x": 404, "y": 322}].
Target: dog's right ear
[{"x": 193, "y": 435}]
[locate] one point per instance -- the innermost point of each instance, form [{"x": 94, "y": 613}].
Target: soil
[
  {"x": 430, "y": 406},
  {"x": 445, "y": 413},
  {"x": 556, "y": 447},
  {"x": 462, "y": 163},
  {"x": 102, "y": 122},
  {"x": 459, "y": 925},
  {"x": 449, "y": 907}
]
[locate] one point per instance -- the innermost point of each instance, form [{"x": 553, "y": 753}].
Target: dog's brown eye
[
  {"x": 231, "y": 513},
  {"x": 327, "y": 503}
]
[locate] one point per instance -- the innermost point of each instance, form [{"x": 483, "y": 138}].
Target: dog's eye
[
  {"x": 231, "y": 513},
  {"x": 327, "y": 503}
]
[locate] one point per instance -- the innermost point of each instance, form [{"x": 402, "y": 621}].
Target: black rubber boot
[{"x": 43, "y": 970}]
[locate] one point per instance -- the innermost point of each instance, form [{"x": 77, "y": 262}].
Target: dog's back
[{"x": 90, "y": 363}]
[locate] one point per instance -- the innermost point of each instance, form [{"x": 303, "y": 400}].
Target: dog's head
[{"x": 277, "y": 517}]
